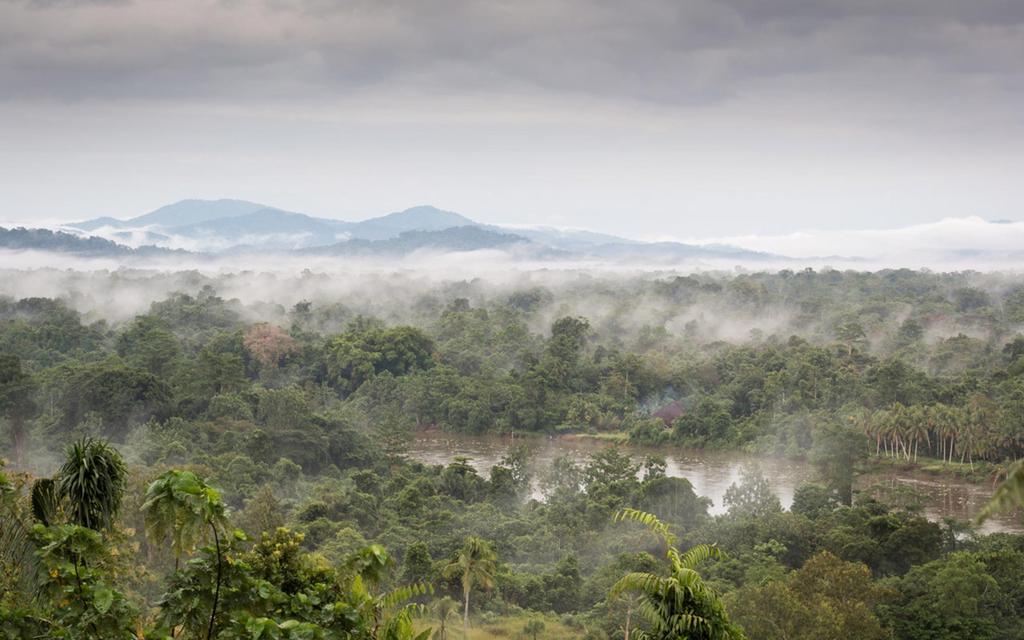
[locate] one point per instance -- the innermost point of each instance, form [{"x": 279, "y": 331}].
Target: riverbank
[
  {"x": 979, "y": 471},
  {"x": 952, "y": 491}
]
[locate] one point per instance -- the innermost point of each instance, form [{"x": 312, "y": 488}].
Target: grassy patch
[
  {"x": 980, "y": 471},
  {"x": 619, "y": 437},
  {"x": 507, "y": 628}
]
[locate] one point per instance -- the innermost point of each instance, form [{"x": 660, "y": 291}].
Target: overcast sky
[{"x": 647, "y": 118}]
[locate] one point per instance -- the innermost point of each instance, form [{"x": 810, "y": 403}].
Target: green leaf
[
  {"x": 102, "y": 598},
  {"x": 264, "y": 589},
  {"x": 256, "y": 627}
]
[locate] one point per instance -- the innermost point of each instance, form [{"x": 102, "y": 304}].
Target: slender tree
[
  {"x": 474, "y": 565},
  {"x": 179, "y": 504},
  {"x": 444, "y": 609},
  {"x": 16, "y": 404},
  {"x": 172, "y": 510}
]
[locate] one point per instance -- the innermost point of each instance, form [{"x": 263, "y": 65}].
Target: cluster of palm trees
[
  {"x": 182, "y": 510},
  {"x": 88, "y": 491},
  {"x": 950, "y": 433}
]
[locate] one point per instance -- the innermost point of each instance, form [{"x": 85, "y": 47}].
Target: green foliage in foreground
[{"x": 679, "y": 605}]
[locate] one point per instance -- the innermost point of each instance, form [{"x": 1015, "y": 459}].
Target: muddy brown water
[{"x": 711, "y": 473}]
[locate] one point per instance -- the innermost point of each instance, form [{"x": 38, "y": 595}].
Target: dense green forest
[{"x": 227, "y": 456}]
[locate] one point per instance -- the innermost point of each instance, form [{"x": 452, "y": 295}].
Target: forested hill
[
  {"x": 62, "y": 242},
  {"x": 257, "y": 236},
  {"x": 466, "y": 238}
]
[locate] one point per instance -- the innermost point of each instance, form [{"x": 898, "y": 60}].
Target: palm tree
[
  {"x": 86, "y": 493},
  {"x": 902, "y": 421},
  {"x": 169, "y": 511},
  {"x": 932, "y": 415},
  {"x": 679, "y": 605},
  {"x": 957, "y": 420},
  {"x": 917, "y": 427},
  {"x": 444, "y": 609},
  {"x": 886, "y": 430},
  {"x": 92, "y": 481},
  {"x": 181, "y": 505},
  {"x": 474, "y": 565},
  {"x": 878, "y": 423},
  {"x": 390, "y": 613},
  {"x": 18, "y": 559}
]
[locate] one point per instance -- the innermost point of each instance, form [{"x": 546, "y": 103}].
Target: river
[{"x": 711, "y": 472}]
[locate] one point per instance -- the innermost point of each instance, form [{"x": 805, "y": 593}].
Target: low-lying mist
[{"x": 699, "y": 303}]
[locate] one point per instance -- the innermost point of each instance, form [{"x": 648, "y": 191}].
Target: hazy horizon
[
  {"x": 926, "y": 244},
  {"x": 657, "y": 119}
]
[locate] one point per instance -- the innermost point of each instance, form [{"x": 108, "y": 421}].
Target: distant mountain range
[
  {"x": 231, "y": 227},
  {"x": 223, "y": 224},
  {"x": 228, "y": 232},
  {"x": 213, "y": 228}
]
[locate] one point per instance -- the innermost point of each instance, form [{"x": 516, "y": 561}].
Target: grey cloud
[{"x": 664, "y": 51}]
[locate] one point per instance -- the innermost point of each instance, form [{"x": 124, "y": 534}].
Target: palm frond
[
  {"x": 646, "y": 583},
  {"x": 680, "y": 604},
  {"x": 18, "y": 553},
  {"x": 649, "y": 520},
  {"x": 401, "y": 594},
  {"x": 1009, "y": 495},
  {"x": 180, "y": 505},
  {"x": 700, "y": 553}
]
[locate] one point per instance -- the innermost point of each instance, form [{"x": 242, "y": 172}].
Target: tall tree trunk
[
  {"x": 18, "y": 441},
  {"x": 216, "y": 591},
  {"x": 465, "y": 614}
]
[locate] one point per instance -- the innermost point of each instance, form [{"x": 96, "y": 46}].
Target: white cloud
[{"x": 950, "y": 240}]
